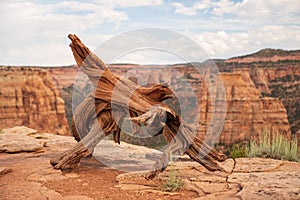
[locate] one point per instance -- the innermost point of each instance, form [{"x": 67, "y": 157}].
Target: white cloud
[
  {"x": 263, "y": 10},
  {"x": 30, "y": 31},
  {"x": 235, "y": 28},
  {"x": 130, "y": 3},
  {"x": 224, "y": 6},
  {"x": 181, "y": 9},
  {"x": 146, "y": 56},
  {"x": 35, "y": 33},
  {"x": 252, "y": 9},
  {"x": 222, "y": 44},
  {"x": 202, "y": 5}
]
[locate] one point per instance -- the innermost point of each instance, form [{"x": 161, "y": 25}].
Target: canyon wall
[
  {"x": 261, "y": 91},
  {"x": 248, "y": 113},
  {"x": 276, "y": 73},
  {"x": 62, "y": 77},
  {"x": 28, "y": 97}
]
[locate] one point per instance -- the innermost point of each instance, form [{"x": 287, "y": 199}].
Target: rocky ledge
[
  {"x": 25, "y": 173},
  {"x": 247, "y": 178}
]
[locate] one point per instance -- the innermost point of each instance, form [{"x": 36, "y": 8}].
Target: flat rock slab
[
  {"x": 19, "y": 130},
  {"x": 256, "y": 165},
  {"x": 23, "y": 173},
  {"x": 23, "y": 139},
  {"x": 248, "y": 178},
  {"x": 15, "y": 142},
  {"x": 268, "y": 185},
  {"x": 126, "y": 157},
  {"x": 16, "y": 139},
  {"x": 29, "y": 175}
]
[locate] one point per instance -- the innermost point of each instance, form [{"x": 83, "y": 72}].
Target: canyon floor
[{"x": 26, "y": 173}]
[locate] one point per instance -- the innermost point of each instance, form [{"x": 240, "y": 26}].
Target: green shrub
[
  {"x": 237, "y": 151},
  {"x": 173, "y": 183},
  {"x": 273, "y": 145}
]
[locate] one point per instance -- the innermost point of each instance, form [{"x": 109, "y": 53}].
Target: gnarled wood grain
[{"x": 113, "y": 99}]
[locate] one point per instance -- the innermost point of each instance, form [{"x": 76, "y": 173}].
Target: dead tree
[{"x": 113, "y": 100}]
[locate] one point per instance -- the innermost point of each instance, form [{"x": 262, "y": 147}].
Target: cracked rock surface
[
  {"x": 247, "y": 178},
  {"x": 29, "y": 175}
]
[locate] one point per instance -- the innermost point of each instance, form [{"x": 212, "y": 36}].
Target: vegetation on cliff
[{"x": 287, "y": 90}]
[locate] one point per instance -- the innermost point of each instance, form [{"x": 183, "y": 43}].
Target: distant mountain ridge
[
  {"x": 269, "y": 52},
  {"x": 267, "y": 55}
]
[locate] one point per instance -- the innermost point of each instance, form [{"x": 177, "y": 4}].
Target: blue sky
[{"x": 35, "y": 32}]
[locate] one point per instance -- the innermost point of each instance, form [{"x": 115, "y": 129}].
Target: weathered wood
[{"x": 113, "y": 99}]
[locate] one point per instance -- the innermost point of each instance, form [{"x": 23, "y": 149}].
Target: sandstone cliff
[
  {"x": 261, "y": 91},
  {"x": 247, "y": 111},
  {"x": 62, "y": 77},
  {"x": 28, "y": 97},
  {"x": 276, "y": 73}
]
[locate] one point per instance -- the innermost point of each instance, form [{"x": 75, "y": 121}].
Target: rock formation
[
  {"x": 62, "y": 77},
  {"x": 28, "y": 97},
  {"x": 247, "y": 179},
  {"x": 28, "y": 175},
  {"x": 276, "y": 73},
  {"x": 248, "y": 111},
  {"x": 265, "y": 76}
]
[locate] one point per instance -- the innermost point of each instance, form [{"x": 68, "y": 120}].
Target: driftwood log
[{"x": 113, "y": 100}]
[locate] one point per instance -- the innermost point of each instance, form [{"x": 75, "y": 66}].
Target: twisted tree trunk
[{"x": 114, "y": 98}]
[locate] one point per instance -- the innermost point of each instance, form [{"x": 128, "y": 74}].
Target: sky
[{"x": 35, "y": 32}]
